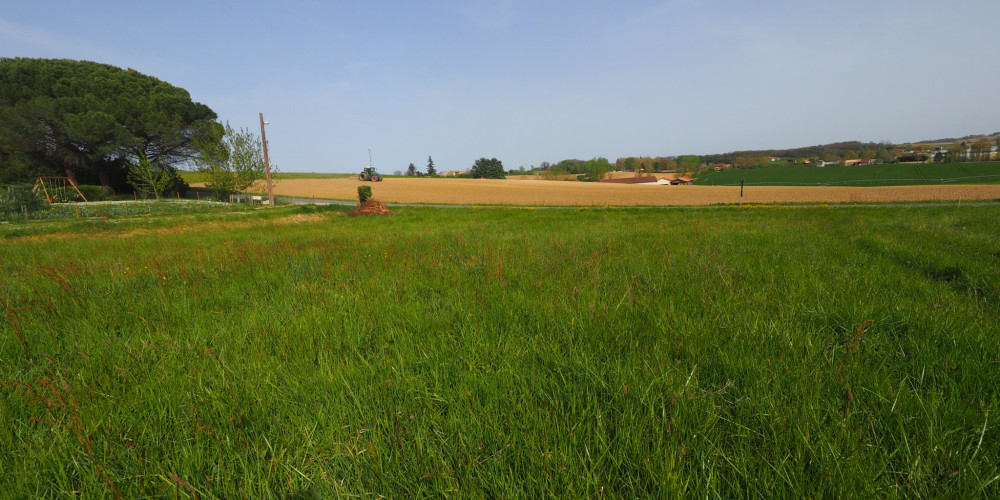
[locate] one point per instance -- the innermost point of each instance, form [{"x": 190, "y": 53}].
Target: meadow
[
  {"x": 858, "y": 175},
  {"x": 299, "y": 353}
]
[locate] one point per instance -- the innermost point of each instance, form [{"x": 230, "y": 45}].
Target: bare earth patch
[{"x": 571, "y": 193}]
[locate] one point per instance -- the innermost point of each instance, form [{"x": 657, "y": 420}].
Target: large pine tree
[{"x": 89, "y": 121}]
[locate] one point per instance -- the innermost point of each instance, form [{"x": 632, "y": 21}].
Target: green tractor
[{"x": 369, "y": 174}]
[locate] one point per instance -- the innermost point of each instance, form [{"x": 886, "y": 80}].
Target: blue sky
[{"x": 545, "y": 80}]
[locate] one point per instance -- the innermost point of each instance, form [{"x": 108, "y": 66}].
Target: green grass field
[
  {"x": 299, "y": 353},
  {"x": 868, "y": 175}
]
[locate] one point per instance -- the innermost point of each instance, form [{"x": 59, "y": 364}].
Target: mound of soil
[{"x": 370, "y": 207}]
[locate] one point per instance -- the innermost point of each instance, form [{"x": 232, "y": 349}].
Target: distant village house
[{"x": 860, "y": 161}]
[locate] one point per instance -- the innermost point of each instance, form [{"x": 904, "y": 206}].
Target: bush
[
  {"x": 95, "y": 193},
  {"x": 16, "y": 199},
  {"x": 364, "y": 193},
  {"x": 319, "y": 209}
]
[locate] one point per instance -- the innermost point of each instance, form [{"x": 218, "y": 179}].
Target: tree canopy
[
  {"x": 487, "y": 169},
  {"x": 594, "y": 169},
  {"x": 90, "y": 121}
]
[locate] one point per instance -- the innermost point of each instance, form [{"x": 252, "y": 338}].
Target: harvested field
[{"x": 541, "y": 193}]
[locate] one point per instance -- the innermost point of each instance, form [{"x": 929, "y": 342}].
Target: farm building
[{"x": 681, "y": 181}]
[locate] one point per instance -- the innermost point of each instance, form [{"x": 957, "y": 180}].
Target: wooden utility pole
[{"x": 267, "y": 162}]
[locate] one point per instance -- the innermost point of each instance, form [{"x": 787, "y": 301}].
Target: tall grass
[{"x": 509, "y": 353}]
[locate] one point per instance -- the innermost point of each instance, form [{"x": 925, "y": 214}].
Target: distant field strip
[
  {"x": 559, "y": 193},
  {"x": 860, "y": 175},
  {"x": 970, "y": 179}
]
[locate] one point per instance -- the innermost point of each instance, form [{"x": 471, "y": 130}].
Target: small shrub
[
  {"x": 94, "y": 193},
  {"x": 17, "y": 199},
  {"x": 364, "y": 193},
  {"x": 318, "y": 209}
]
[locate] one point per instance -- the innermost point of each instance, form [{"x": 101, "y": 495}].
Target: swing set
[{"x": 57, "y": 188}]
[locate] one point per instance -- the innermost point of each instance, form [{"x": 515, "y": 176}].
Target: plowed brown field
[{"x": 538, "y": 192}]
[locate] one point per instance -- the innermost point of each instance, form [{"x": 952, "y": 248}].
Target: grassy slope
[
  {"x": 766, "y": 352},
  {"x": 869, "y": 175}
]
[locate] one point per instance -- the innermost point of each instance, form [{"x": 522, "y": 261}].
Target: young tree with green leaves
[
  {"x": 430, "y": 166},
  {"x": 631, "y": 164},
  {"x": 688, "y": 163},
  {"x": 148, "y": 177},
  {"x": 232, "y": 160},
  {"x": 596, "y": 168},
  {"x": 885, "y": 156}
]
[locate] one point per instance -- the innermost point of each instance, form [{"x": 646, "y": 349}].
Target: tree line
[{"x": 597, "y": 168}]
